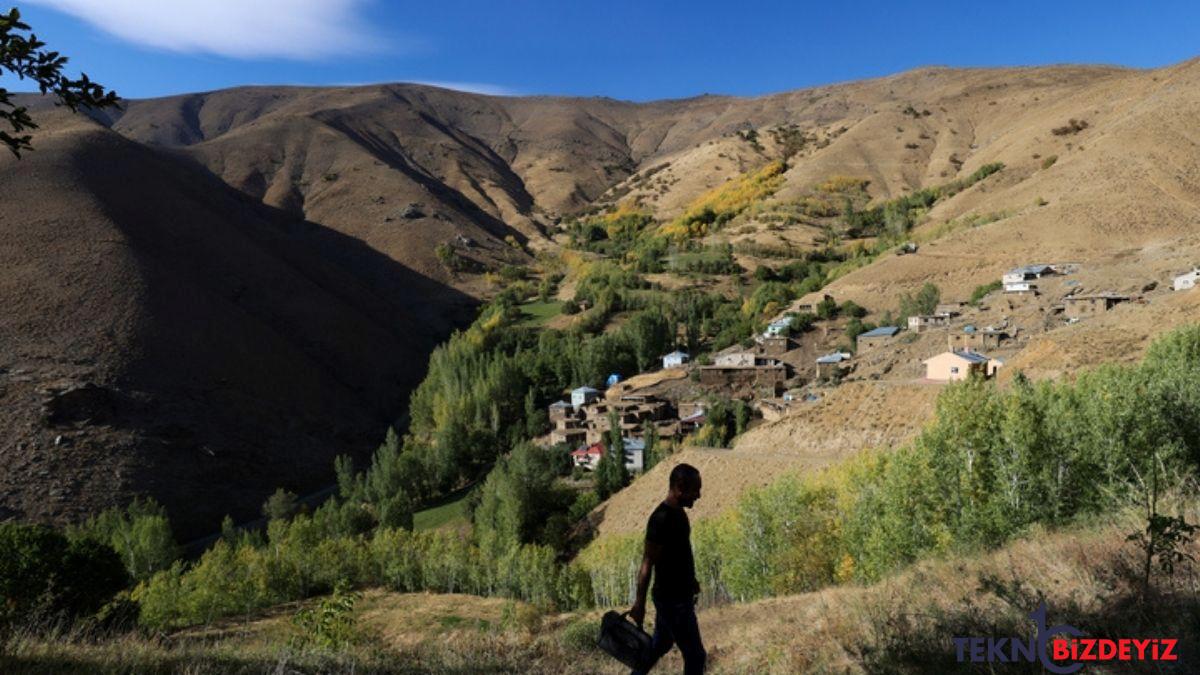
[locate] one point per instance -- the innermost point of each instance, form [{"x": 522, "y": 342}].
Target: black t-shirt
[{"x": 675, "y": 572}]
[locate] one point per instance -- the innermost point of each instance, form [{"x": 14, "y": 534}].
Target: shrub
[
  {"x": 925, "y": 301},
  {"x": 1049, "y": 161},
  {"x": 1073, "y": 126},
  {"x": 330, "y": 625},
  {"x": 983, "y": 290},
  {"x": 42, "y": 572},
  {"x": 449, "y": 258},
  {"x": 827, "y": 308},
  {"x": 582, "y": 634},
  {"x": 853, "y": 309},
  {"x": 843, "y": 184}
]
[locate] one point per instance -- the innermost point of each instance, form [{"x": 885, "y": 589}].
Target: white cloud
[
  {"x": 468, "y": 87},
  {"x": 294, "y": 29},
  {"x": 472, "y": 87}
]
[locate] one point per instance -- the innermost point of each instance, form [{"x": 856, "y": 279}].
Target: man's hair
[{"x": 683, "y": 474}]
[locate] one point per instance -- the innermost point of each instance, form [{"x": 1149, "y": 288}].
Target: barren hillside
[{"x": 164, "y": 335}]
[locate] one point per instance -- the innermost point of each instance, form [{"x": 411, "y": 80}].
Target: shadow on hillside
[{"x": 266, "y": 345}]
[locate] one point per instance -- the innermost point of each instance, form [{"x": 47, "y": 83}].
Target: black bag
[{"x": 625, "y": 641}]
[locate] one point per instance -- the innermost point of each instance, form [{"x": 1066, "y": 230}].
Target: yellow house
[{"x": 953, "y": 366}]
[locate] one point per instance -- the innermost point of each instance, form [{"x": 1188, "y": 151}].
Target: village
[{"x": 796, "y": 358}]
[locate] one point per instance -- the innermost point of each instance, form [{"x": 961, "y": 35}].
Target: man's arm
[{"x": 650, "y": 556}]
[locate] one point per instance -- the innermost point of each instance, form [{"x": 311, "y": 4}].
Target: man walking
[{"x": 668, "y": 553}]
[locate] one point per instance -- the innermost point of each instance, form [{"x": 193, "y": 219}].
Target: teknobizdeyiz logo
[{"x": 1058, "y": 655}]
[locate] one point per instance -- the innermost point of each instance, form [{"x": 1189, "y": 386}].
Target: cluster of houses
[
  {"x": 1074, "y": 306},
  {"x": 585, "y": 422}
]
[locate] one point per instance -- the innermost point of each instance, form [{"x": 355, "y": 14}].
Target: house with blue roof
[
  {"x": 875, "y": 338},
  {"x": 952, "y": 366},
  {"x": 831, "y": 364}
]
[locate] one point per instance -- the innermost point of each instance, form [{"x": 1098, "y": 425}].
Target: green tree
[
  {"x": 853, "y": 309},
  {"x": 827, "y": 308},
  {"x": 280, "y": 505},
  {"x": 653, "y": 453},
  {"x": 518, "y": 498},
  {"x": 741, "y": 417},
  {"x": 23, "y": 55},
  {"x": 611, "y": 473},
  {"x": 140, "y": 534},
  {"x": 924, "y": 302},
  {"x": 652, "y": 337}
]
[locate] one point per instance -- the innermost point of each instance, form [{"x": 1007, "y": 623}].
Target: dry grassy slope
[
  {"x": 236, "y": 349},
  {"x": 726, "y": 476},
  {"x": 845, "y": 420},
  {"x": 353, "y": 158},
  {"x": 1120, "y": 335},
  {"x": 1122, "y": 195}
]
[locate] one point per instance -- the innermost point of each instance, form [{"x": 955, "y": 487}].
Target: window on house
[{"x": 953, "y": 370}]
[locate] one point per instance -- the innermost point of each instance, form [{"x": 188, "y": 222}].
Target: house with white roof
[
  {"x": 1021, "y": 279},
  {"x": 1187, "y": 281},
  {"x": 778, "y": 327},
  {"x": 582, "y": 396},
  {"x": 675, "y": 359}
]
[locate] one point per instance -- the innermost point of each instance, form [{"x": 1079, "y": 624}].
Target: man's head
[{"x": 684, "y": 485}]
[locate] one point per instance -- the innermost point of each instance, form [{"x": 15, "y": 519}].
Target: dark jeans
[{"x": 675, "y": 624}]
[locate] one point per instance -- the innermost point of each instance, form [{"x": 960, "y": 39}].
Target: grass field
[
  {"x": 538, "y": 313},
  {"x": 451, "y": 512}
]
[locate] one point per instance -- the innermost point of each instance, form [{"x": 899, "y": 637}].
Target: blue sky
[{"x": 630, "y": 50}]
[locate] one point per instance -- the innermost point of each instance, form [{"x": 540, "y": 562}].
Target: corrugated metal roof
[{"x": 882, "y": 331}]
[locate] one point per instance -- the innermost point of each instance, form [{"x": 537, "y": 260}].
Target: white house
[
  {"x": 675, "y": 359},
  {"x": 1187, "y": 281},
  {"x": 583, "y": 396},
  {"x": 589, "y": 456},
  {"x": 1018, "y": 280},
  {"x": 778, "y": 327}
]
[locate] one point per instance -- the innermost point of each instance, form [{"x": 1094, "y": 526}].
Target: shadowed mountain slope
[{"x": 165, "y": 335}]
